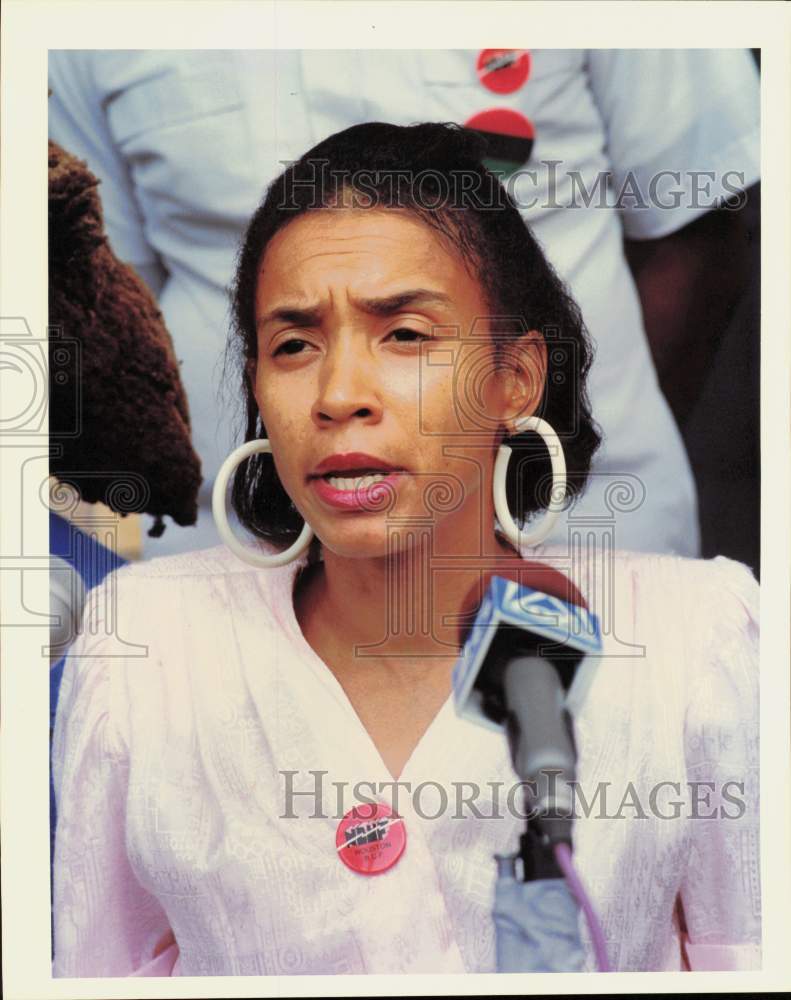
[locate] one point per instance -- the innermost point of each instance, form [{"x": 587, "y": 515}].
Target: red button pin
[
  {"x": 503, "y": 70},
  {"x": 370, "y": 838},
  {"x": 508, "y": 133}
]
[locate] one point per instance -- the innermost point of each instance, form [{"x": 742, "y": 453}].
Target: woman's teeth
[{"x": 357, "y": 483}]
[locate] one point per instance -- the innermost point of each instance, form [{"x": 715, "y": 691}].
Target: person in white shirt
[
  {"x": 375, "y": 366},
  {"x": 184, "y": 142}
]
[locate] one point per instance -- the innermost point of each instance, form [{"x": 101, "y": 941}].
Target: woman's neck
[{"x": 397, "y": 607}]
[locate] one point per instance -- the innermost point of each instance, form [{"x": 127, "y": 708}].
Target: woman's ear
[{"x": 524, "y": 365}]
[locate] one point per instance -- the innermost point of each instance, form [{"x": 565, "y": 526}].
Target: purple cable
[{"x": 563, "y": 857}]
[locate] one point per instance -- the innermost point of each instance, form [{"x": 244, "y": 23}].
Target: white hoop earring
[
  {"x": 245, "y": 552},
  {"x": 510, "y": 528}
]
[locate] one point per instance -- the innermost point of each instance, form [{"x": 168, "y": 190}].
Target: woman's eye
[
  {"x": 404, "y": 335},
  {"x": 290, "y": 347}
]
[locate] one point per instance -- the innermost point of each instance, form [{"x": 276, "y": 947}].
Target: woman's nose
[{"x": 347, "y": 387}]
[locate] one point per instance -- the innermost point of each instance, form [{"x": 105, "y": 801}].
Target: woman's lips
[{"x": 373, "y": 497}]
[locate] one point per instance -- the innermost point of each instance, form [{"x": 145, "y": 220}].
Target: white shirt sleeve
[
  {"x": 720, "y": 891},
  {"x": 105, "y": 923},
  {"x": 78, "y": 122},
  {"x": 682, "y": 128}
]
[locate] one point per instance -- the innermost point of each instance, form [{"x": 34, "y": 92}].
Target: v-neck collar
[{"x": 430, "y": 743}]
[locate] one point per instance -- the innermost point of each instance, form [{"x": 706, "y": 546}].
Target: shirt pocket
[
  {"x": 452, "y": 68},
  {"x": 449, "y": 80},
  {"x": 169, "y": 100},
  {"x": 197, "y": 164}
]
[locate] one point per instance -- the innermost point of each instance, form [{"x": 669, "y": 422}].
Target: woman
[{"x": 395, "y": 323}]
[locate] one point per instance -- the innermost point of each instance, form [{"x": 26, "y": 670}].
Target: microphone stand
[
  {"x": 536, "y": 916},
  {"x": 538, "y": 894}
]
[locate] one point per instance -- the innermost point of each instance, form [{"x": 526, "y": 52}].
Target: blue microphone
[{"x": 531, "y": 630}]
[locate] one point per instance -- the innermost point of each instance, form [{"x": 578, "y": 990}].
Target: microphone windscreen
[
  {"x": 535, "y": 575},
  {"x": 518, "y": 610}
]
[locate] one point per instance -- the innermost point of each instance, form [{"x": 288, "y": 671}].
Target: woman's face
[{"x": 375, "y": 360}]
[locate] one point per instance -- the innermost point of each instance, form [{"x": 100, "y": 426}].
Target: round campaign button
[
  {"x": 509, "y": 135},
  {"x": 503, "y": 70},
  {"x": 370, "y": 838}
]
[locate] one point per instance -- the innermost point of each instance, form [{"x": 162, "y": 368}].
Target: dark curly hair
[{"x": 435, "y": 172}]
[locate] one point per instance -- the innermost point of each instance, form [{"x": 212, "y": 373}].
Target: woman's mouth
[
  {"x": 357, "y": 491},
  {"x": 362, "y": 481}
]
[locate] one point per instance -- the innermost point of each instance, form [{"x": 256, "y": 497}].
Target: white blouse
[{"x": 192, "y": 701}]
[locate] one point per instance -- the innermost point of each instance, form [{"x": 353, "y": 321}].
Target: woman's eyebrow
[
  {"x": 296, "y": 315},
  {"x": 396, "y": 303},
  {"x": 387, "y": 306}
]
